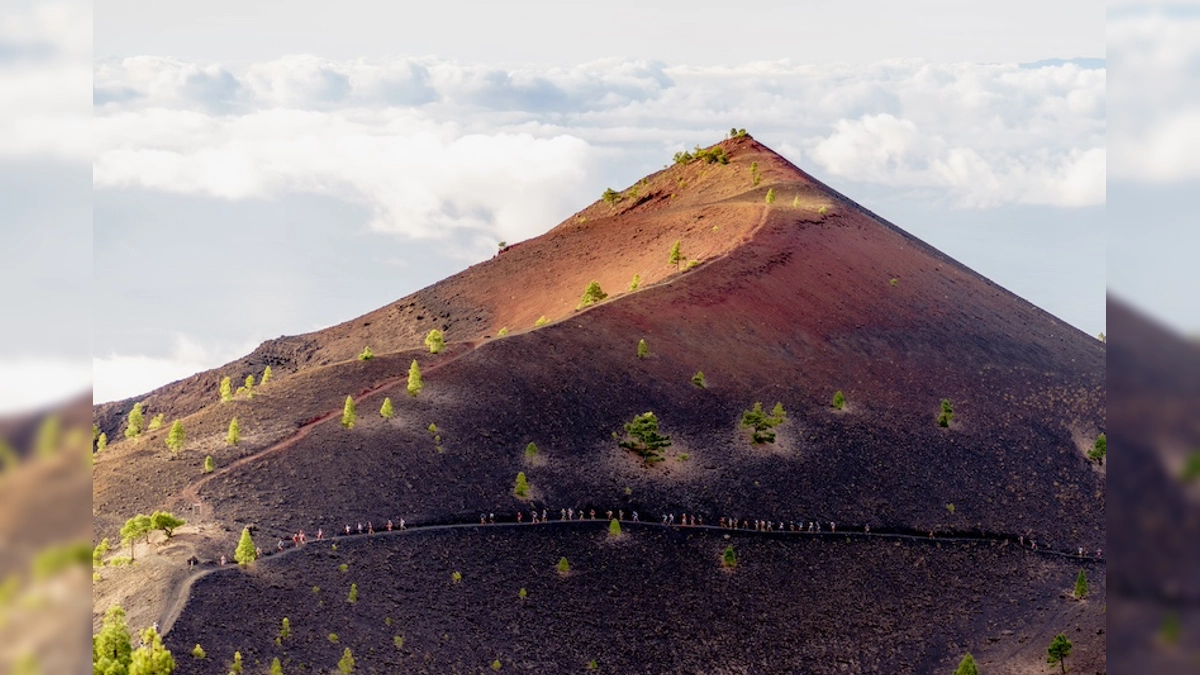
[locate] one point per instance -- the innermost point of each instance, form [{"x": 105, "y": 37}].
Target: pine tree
[
  {"x": 249, "y": 382},
  {"x": 637, "y": 281},
  {"x": 152, "y": 658},
  {"x": 157, "y": 421},
  {"x": 234, "y": 435},
  {"x": 966, "y": 666},
  {"x": 266, "y": 375},
  {"x": 349, "y": 416},
  {"x": 496, "y": 665},
  {"x": 111, "y": 651},
  {"x": 346, "y": 664},
  {"x": 276, "y": 667},
  {"x": 226, "y": 389},
  {"x": 563, "y": 566},
  {"x": 502, "y": 332},
  {"x": 245, "y": 553},
  {"x": 386, "y": 411},
  {"x": 353, "y": 597},
  {"x": 285, "y": 629},
  {"x": 102, "y": 442},
  {"x": 415, "y": 383},
  {"x": 592, "y": 294},
  {"x": 166, "y": 521},
  {"x": 521, "y": 488},
  {"x": 645, "y": 441},
  {"x": 771, "y": 196},
  {"x": 1058, "y": 651},
  {"x": 1081, "y": 586},
  {"x": 366, "y": 354},
  {"x": 99, "y": 552},
  {"x": 1099, "y": 449},
  {"x": 643, "y": 349},
  {"x": 198, "y": 651},
  {"x": 531, "y": 450},
  {"x": 542, "y": 321},
  {"x": 176, "y": 436},
  {"x": 675, "y": 256},
  {"x": 762, "y": 424},
  {"x": 137, "y": 526},
  {"x": 435, "y": 341},
  {"x": 839, "y": 401},
  {"x": 208, "y": 464},
  {"x": 134, "y": 425},
  {"x": 946, "y": 416},
  {"x": 698, "y": 380},
  {"x": 522, "y": 594},
  {"x": 614, "y": 528},
  {"x": 236, "y": 667},
  {"x": 778, "y": 414},
  {"x": 729, "y": 557}
]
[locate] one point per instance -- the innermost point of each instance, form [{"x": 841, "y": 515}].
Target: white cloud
[
  {"x": 432, "y": 145},
  {"x": 35, "y": 382},
  {"x": 119, "y": 376}
]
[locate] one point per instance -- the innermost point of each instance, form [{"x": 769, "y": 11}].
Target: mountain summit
[{"x": 961, "y": 429}]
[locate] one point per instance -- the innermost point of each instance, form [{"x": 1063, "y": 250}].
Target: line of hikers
[{"x": 668, "y": 519}]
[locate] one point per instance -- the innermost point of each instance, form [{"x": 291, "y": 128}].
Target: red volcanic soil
[{"x": 789, "y": 302}]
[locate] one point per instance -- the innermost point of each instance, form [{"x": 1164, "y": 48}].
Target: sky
[{"x": 253, "y": 166}]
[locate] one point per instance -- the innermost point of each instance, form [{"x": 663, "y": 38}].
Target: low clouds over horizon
[{"x": 488, "y": 141}]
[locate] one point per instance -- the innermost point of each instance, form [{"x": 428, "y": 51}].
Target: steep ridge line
[{"x": 183, "y": 590}]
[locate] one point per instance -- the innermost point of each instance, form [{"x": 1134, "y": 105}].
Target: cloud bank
[{"x": 434, "y": 146}]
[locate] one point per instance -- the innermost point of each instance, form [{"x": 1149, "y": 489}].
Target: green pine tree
[
  {"x": 502, "y": 332},
  {"x": 563, "y": 566},
  {"x": 366, "y": 354},
  {"x": 208, "y": 464},
  {"x": 729, "y": 557},
  {"x": 542, "y": 321},
  {"x": 698, "y": 380},
  {"x": 1081, "y": 586},
  {"x": 353, "y": 597},
  {"x": 245, "y": 553},
  {"x": 166, "y": 521},
  {"x": 134, "y": 425},
  {"x": 111, "y": 650},
  {"x": 592, "y": 294},
  {"x": 285, "y": 629},
  {"x": 226, "y": 389},
  {"x": 137, "y": 526},
  {"x": 176, "y": 436},
  {"x": 415, "y": 383},
  {"x": 643, "y": 350},
  {"x": 266, "y": 375},
  {"x": 644, "y": 439},
  {"x": 946, "y": 416},
  {"x": 152, "y": 658},
  {"x": 198, "y": 651},
  {"x": 637, "y": 281},
  {"x": 236, "y": 667},
  {"x": 386, "y": 411},
  {"x": 435, "y": 341},
  {"x": 1099, "y": 449},
  {"x": 966, "y": 666},
  {"x": 102, "y": 442},
  {"x": 675, "y": 256},
  {"x": 771, "y": 196},
  {"x": 349, "y": 416},
  {"x": 614, "y": 528},
  {"x": 531, "y": 450},
  {"x": 521, "y": 488},
  {"x": 1058, "y": 651},
  {"x": 234, "y": 435},
  {"x": 157, "y": 421},
  {"x": 346, "y": 664},
  {"x": 249, "y": 382},
  {"x": 762, "y": 424},
  {"x": 839, "y": 401},
  {"x": 276, "y": 667}
]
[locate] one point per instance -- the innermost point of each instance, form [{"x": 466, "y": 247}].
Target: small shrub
[
  {"x": 496, "y": 665},
  {"x": 500, "y": 245},
  {"x": 611, "y": 197},
  {"x": 823, "y": 210},
  {"x": 643, "y": 438},
  {"x": 563, "y": 566},
  {"x": 276, "y": 667},
  {"x": 1081, "y": 586},
  {"x": 692, "y": 264},
  {"x": 366, "y": 354},
  {"x": 415, "y": 383},
  {"x": 592, "y": 665},
  {"x": 198, "y": 652},
  {"x": 614, "y": 528},
  {"x": 946, "y": 416},
  {"x": 896, "y": 282},
  {"x": 684, "y": 457},
  {"x": 176, "y": 436},
  {"x": 333, "y": 637},
  {"x": 542, "y": 321},
  {"x": 346, "y": 663},
  {"x": 1099, "y": 449},
  {"x": 1191, "y": 468},
  {"x": 522, "y": 594},
  {"x": 521, "y": 488},
  {"x": 531, "y": 451},
  {"x": 349, "y": 416},
  {"x": 592, "y": 294},
  {"x": 208, "y": 464},
  {"x": 966, "y": 666},
  {"x": 285, "y": 629},
  {"x": 387, "y": 411},
  {"x": 729, "y": 557},
  {"x": 353, "y": 597},
  {"x": 698, "y": 380},
  {"x": 99, "y": 552},
  {"x": 950, "y": 508},
  {"x": 435, "y": 341},
  {"x": 236, "y": 666},
  {"x": 433, "y": 428},
  {"x": 234, "y": 435},
  {"x": 683, "y": 157},
  {"x": 343, "y": 567},
  {"x": 456, "y": 576},
  {"x": 771, "y": 196},
  {"x": 643, "y": 350},
  {"x": 796, "y": 201},
  {"x": 839, "y": 400},
  {"x": 502, "y": 332},
  {"x": 398, "y": 640},
  {"x": 157, "y": 421},
  {"x": 316, "y": 590}
]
